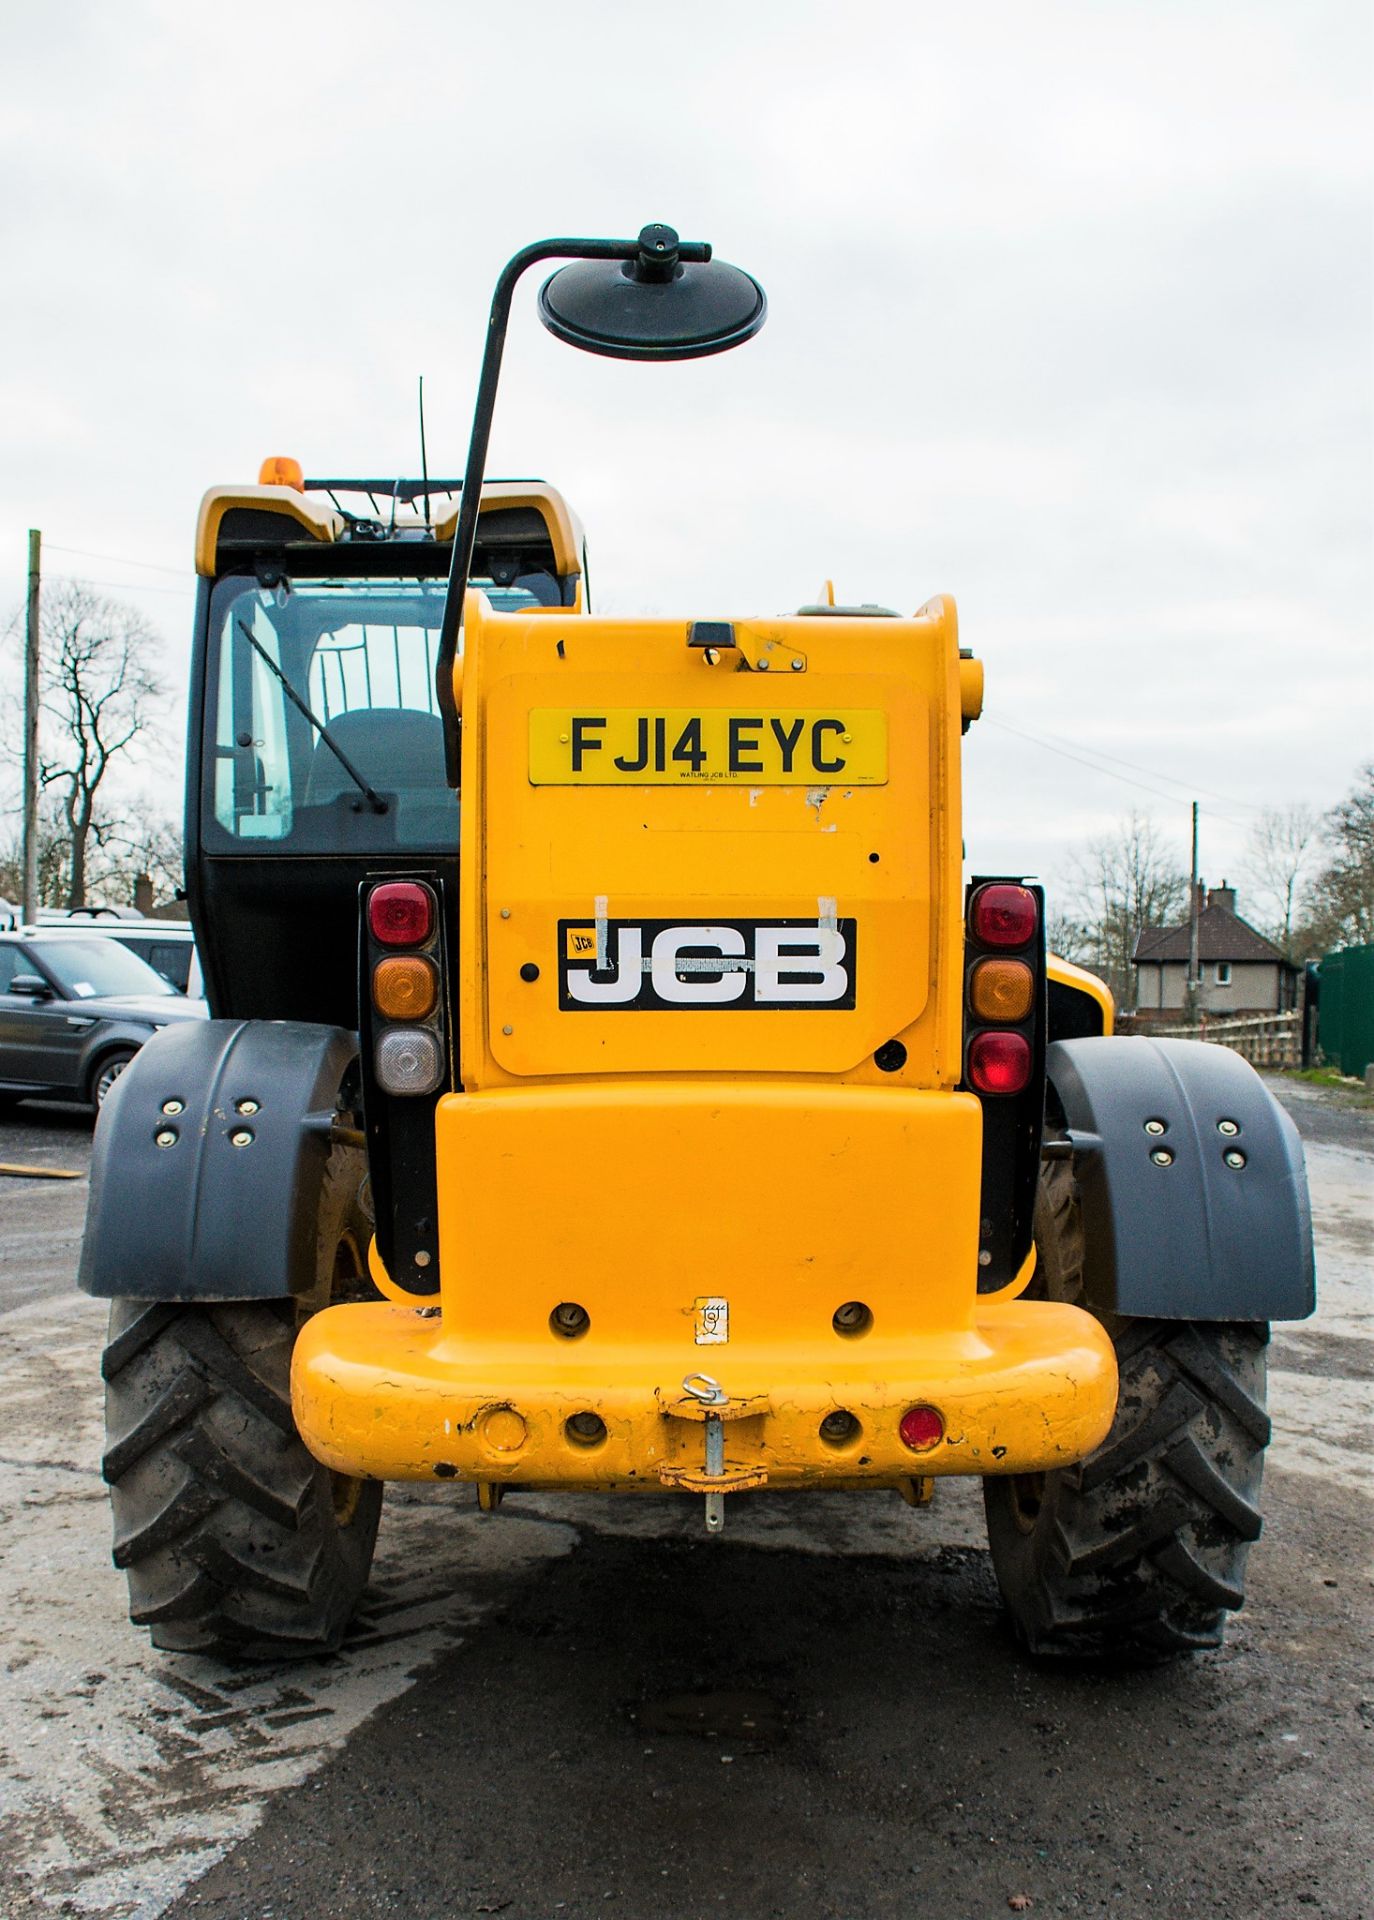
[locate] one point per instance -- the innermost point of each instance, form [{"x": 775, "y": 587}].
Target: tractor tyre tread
[
  {"x": 224, "y": 1523},
  {"x": 1139, "y": 1551}
]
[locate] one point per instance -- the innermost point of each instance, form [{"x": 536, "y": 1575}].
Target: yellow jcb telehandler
[{"x": 684, "y": 1120}]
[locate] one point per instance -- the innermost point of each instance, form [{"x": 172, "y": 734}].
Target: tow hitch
[{"x": 707, "y": 1401}]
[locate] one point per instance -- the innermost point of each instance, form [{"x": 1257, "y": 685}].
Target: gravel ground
[{"x": 587, "y": 1707}]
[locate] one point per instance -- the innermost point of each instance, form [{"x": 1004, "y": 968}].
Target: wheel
[
  {"x": 107, "y": 1071},
  {"x": 234, "y": 1539},
  {"x": 1139, "y": 1551}
]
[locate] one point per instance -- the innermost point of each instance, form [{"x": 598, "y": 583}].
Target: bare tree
[
  {"x": 1283, "y": 845},
  {"x": 1341, "y": 906},
  {"x": 144, "y": 846},
  {"x": 1124, "y": 882},
  {"x": 1067, "y": 937},
  {"x": 100, "y": 694},
  {"x": 54, "y": 850}
]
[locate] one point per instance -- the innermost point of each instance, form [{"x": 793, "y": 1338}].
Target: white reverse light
[{"x": 408, "y": 1061}]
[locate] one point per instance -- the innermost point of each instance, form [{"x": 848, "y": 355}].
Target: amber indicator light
[
  {"x": 405, "y": 987},
  {"x": 1001, "y": 990}
]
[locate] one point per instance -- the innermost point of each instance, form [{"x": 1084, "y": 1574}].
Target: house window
[{"x": 1223, "y": 973}]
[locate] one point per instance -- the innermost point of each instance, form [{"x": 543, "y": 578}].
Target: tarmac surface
[{"x": 579, "y": 1708}]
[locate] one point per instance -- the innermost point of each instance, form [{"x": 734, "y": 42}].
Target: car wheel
[{"x": 107, "y": 1072}]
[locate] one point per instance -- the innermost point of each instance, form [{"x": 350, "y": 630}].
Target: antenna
[{"x": 424, "y": 462}]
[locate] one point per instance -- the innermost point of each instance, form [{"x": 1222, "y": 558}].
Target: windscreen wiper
[{"x": 374, "y": 799}]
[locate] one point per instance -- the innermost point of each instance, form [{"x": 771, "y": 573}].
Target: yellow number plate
[{"x": 666, "y": 747}]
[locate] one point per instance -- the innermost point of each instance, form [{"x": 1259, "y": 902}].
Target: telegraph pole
[
  {"x": 1194, "y": 983},
  {"x": 30, "y": 899}
]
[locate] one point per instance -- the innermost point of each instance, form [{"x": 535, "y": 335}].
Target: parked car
[
  {"x": 168, "y": 946},
  {"x": 74, "y": 1010},
  {"x": 84, "y": 916}
]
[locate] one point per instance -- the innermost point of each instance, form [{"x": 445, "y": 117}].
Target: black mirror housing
[{"x": 655, "y": 306}]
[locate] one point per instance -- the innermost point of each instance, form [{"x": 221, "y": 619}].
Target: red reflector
[
  {"x": 400, "y": 913},
  {"x": 999, "y": 1062},
  {"x": 1003, "y": 916},
  {"x": 922, "y": 1428}
]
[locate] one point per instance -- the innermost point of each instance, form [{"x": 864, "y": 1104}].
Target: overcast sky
[{"x": 1070, "y": 317}]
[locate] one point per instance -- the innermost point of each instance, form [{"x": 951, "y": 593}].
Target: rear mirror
[
  {"x": 31, "y": 984},
  {"x": 653, "y": 298},
  {"x": 655, "y": 306}
]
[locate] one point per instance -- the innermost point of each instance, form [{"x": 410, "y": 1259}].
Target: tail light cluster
[
  {"x": 1004, "y": 1063},
  {"x": 407, "y": 1015},
  {"x": 1002, "y": 986},
  {"x": 404, "y": 1033}
]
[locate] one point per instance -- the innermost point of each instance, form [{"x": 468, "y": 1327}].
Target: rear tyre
[
  {"x": 1138, "y": 1552},
  {"x": 234, "y": 1539},
  {"x": 107, "y": 1071}
]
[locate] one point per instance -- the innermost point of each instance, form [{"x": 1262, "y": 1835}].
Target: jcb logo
[{"x": 630, "y": 965}]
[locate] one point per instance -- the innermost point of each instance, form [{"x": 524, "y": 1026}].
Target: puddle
[{"x": 751, "y": 1720}]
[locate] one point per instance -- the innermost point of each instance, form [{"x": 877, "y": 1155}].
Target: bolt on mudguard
[
  {"x": 1194, "y": 1190},
  {"x": 208, "y": 1162}
]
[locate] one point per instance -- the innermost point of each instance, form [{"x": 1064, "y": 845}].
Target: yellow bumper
[
  {"x": 699, "y": 1228},
  {"x": 385, "y": 1392}
]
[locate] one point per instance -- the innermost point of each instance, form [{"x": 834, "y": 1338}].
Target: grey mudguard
[
  {"x": 199, "y": 1218},
  {"x": 1195, "y": 1238}
]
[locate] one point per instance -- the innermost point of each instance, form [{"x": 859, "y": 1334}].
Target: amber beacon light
[{"x": 280, "y": 471}]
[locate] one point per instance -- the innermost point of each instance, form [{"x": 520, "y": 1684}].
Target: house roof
[{"x": 1221, "y": 935}]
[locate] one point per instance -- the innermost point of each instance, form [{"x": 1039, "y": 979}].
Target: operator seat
[{"x": 396, "y": 749}]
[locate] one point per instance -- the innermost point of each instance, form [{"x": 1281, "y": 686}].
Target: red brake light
[
  {"x": 921, "y": 1428},
  {"x": 400, "y": 913},
  {"x": 999, "y": 1062},
  {"x": 1003, "y": 916}
]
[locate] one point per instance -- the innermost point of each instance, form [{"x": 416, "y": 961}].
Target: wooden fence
[{"x": 1264, "y": 1039}]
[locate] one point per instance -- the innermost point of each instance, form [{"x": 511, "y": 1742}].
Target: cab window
[{"x": 321, "y": 689}]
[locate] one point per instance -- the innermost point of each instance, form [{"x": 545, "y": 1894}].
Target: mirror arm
[{"x": 470, "y": 499}]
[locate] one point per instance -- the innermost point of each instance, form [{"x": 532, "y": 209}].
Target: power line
[
  {"x": 115, "y": 586},
  {"x": 1189, "y": 787},
  {"x": 1093, "y": 767},
  {"x": 117, "y": 559}
]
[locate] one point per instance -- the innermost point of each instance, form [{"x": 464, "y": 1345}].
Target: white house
[{"x": 1241, "y": 971}]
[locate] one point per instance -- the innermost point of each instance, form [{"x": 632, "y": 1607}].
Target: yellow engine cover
[{"x": 621, "y": 794}]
